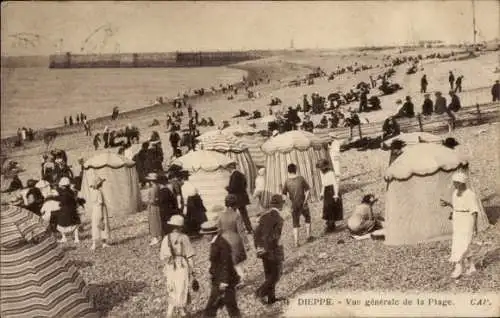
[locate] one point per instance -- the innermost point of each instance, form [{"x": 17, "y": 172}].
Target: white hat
[
  {"x": 275, "y": 133},
  {"x": 64, "y": 182},
  {"x": 459, "y": 176},
  {"x": 176, "y": 220},
  {"x": 262, "y": 171},
  {"x": 42, "y": 184}
]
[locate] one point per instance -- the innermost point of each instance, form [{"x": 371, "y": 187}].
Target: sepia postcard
[{"x": 250, "y": 159}]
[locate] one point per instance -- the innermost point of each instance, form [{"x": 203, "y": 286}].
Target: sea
[{"x": 39, "y": 97}]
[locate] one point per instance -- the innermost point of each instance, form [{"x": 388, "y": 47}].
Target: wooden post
[{"x": 419, "y": 118}]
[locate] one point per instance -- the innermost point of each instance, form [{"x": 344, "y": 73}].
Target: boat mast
[{"x": 474, "y": 21}]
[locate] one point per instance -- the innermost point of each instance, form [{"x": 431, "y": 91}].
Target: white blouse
[
  {"x": 466, "y": 203},
  {"x": 188, "y": 189}
]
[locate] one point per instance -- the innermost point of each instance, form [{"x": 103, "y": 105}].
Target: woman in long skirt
[
  {"x": 464, "y": 216},
  {"x": 35, "y": 272},
  {"x": 232, "y": 229},
  {"x": 177, "y": 252},
  {"x": 99, "y": 215},
  {"x": 332, "y": 202},
  {"x": 194, "y": 210},
  {"x": 154, "y": 216}
]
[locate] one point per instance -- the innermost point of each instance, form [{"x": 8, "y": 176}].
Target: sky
[{"x": 43, "y": 28}]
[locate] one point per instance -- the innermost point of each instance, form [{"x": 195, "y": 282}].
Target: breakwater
[{"x": 169, "y": 59}]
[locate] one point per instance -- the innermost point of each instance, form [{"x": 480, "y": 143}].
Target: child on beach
[
  {"x": 297, "y": 189},
  {"x": 464, "y": 216},
  {"x": 260, "y": 183}
]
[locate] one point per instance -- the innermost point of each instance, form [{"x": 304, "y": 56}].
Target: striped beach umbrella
[
  {"x": 209, "y": 174},
  {"x": 301, "y": 148},
  {"x": 234, "y": 148},
  {"x": 36, "y": 277}
]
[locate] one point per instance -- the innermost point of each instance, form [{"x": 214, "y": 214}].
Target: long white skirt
[
  {"x": 177, "y": 282},
  {"x": 463, "y": 228}
]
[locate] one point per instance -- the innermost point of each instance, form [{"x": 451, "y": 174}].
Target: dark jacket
[
  {"x": 221, "y": 263},
  {"x": 495, "y": 90},
  {"x": 454, "y": 104},
  {"x": 238, "y": 186},
  {"x": 68, "y": 215},
  {"x": 268, "y": 233},
  {"x": 427, "y": 107}
]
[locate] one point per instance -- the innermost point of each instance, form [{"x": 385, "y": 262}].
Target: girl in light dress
[
  {"x": 99, "y": 215},
  {"x": 177, "y": 253},
  {"x": 260, "y": 183},
  {"x": 464, "y": 217}
]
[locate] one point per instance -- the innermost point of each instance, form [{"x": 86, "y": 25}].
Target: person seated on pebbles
[{"x": 363, "y": 221}]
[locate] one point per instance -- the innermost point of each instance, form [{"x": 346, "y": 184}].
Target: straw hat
[
  {"x": 97, "y": 182},
  {"x": 152, "y": 176},
  {"x": 209, "y": 227},
  {"x": 64, "y": 182},
  {"x": 176, "y": 220},
  {"x": 460, "y": 177}
]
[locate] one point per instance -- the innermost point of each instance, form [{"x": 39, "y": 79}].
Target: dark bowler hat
[{"x": 210, "y": 227}]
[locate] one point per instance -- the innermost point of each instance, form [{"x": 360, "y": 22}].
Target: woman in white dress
[
  {"x": 177, "y": 253},
  {"x": 99, "y": 217},
  {"x": 465, "y": 210}
]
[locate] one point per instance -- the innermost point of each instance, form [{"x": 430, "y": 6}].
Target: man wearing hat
[
  {"x": 269, "y": 249},
  {"x": 223, "y": 274},
  {"x": 238, "y": 187},
  {"x": 427, "y": 106},
  {"x": 440, "y": 104}
]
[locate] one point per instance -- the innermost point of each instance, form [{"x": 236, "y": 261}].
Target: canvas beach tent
[
  {"x": 36, "y": 277},
  {"x": 209, "y": 174},
  {"x": 234, "y": 148},
  {"x": 416, "y": 181},
  {"x": 251, "y": 137},
  {"x": 120, "y": 190},
  {"x": 301, "y": 148}
]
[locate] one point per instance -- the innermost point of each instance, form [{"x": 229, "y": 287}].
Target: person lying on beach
[{"x": 242, "y": 113}]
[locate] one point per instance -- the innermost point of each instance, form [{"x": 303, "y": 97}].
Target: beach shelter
[
  {"x": 209, "y": 174},
  {"x": 416, "y": 181},
  {"x": 37, "y": 278},
  {"x": 251, "y": 137},
  {"x": 299, "y": 147},
  {"x": 234, "y": 148},
  {"x": 121, "y": 188}
]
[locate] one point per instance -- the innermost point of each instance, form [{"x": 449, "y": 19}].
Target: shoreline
[{"x": 253, "y": 72}]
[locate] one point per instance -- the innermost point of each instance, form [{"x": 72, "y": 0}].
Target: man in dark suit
[
  {"x": 238, "y": 186},
  {"x": 269, "y": 249},
  {"x": 222, "y": 272}
]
